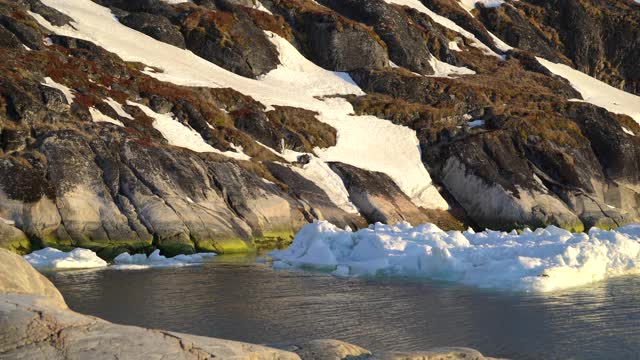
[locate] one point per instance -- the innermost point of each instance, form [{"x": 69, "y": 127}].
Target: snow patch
[
  {"x": 180, "y": 135},
  {"x": 443, "y": 69},
  {"x": 471, "y": 4},
  {"x": 453, "y": 45},
  {"x": 318, "y": 172},
  {"x": 65, "y": 90},
  {"x": 50, "y": 259},
  {"x": 295, "y": 67},
  {"x": 416, "y": 4},
  {"x": 535, "y": 261},
  {"x": 503, "y": 46},
  {"x": 98, "y": 116},
  {"x": 597, "y": 92},
  {"x": 476, "y": 123},
  {"x": 125, "y": 261},
  {"x": 258, "y": 6},
  {"x": 117, "y": 107},
  {"x": 374, "y": 144},
  {"x": 363, "y": 141}
]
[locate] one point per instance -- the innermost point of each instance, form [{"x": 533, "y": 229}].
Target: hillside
[{"x": 219, "y": 125}]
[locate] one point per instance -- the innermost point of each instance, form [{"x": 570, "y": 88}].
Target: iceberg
[
  {"x": 543, "y": 260},
  {"x": 125, "y": 261},
  {"x": 50, "y": 259}
]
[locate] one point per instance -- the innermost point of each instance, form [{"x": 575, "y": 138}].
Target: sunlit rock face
[{"x": 216, "y": 125}]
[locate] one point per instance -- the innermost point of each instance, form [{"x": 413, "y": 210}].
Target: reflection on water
[{"x": 236, "y": 298}]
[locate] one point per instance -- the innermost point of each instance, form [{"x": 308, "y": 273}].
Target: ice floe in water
[
  {"x": 155, "y": 260},
  {"x": 50, "y": 258},
  {"x": 538, "y": 261},
  {"x": 54, "y": 259}
]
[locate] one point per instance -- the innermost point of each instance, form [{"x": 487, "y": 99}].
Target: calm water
[{"x": 236, "y": 298}]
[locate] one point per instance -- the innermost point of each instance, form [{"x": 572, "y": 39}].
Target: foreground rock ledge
[{"x": 35, "y": 323}]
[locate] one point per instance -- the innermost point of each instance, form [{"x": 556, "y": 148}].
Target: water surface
[{"x": 237, "y": 298}]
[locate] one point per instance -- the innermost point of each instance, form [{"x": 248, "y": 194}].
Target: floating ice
[
  {"x": 538, "y": 261},
  {"x": 50, "y": 258},
  {"x": 154, "y": 260}
]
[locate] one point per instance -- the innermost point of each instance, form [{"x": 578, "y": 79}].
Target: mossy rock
[
  {"x": 14, "y": 240},
  {"x": 577, "y": 227},
  {"x": 224, "y": 246},
  {"x": 173, "y": 249},
  {"x": 20, "y": 247},
  {"x": 273, "y": 239},
  {"x": 54, "y": 241}
]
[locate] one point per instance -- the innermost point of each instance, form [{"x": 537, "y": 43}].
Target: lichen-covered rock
[
  {"x": 156, "y": 26},
  {"x": 404, "y": 39},
  {"x": 580, "y": 33},
  {"x": 230, "y": 39},
  {"x": 330, "y": 40}
]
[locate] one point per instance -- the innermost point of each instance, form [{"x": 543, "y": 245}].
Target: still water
[{"x": 237, "y": 298}]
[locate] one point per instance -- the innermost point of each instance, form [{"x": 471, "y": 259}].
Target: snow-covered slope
[
  {"x": 540, "y": 261},
  {"x": 597, "y": 92},
  {"x": 363, "y": 141}
]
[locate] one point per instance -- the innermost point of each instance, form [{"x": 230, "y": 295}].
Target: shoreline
[{"x": 35, "y": 322}]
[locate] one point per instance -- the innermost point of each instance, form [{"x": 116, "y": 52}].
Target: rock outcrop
[
  {"x": 83, "y": 161},
  {"x": 35, "y": 323},
  {"x": 598, "y": 37}
]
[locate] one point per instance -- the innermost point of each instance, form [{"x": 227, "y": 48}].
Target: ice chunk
[
  {"x": 50, "y": 258},
  {"x": 125, "y": 261},
  {"x": 538, "y": 261}
]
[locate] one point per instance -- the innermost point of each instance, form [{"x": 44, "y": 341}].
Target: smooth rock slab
[{"x": 326, "y": 349}]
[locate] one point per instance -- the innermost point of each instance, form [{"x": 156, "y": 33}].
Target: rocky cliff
[{"x": 221, "y": 125}]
